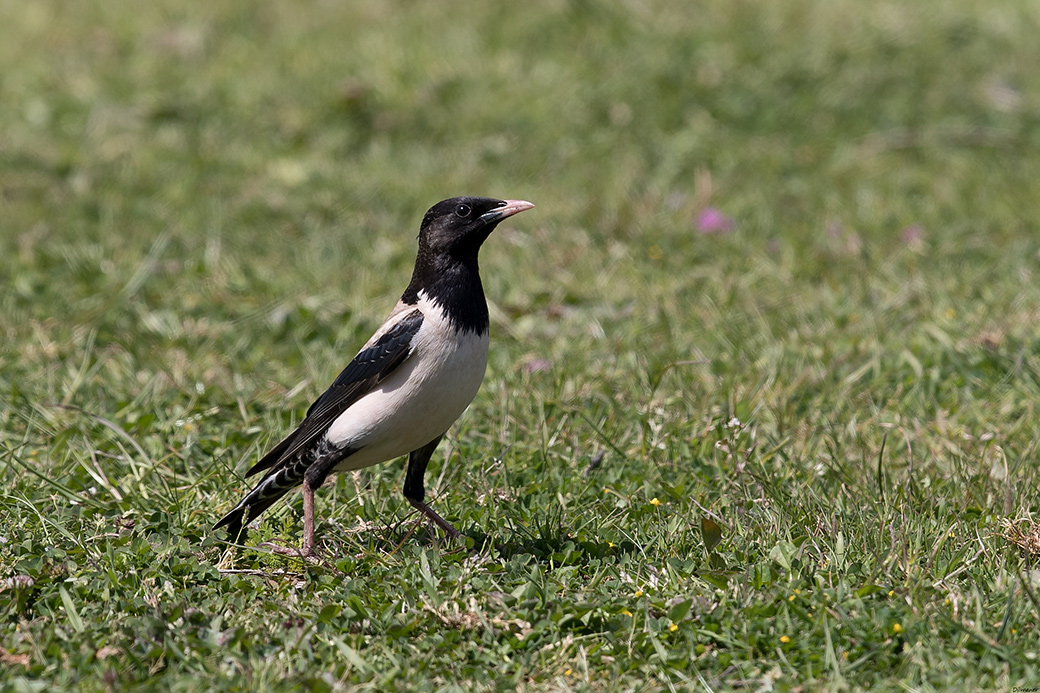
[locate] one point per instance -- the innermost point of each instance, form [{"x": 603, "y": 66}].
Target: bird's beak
[{"x": 508, "y": 209}]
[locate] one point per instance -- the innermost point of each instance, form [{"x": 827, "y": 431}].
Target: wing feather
[{"x": 370, "y": 367}]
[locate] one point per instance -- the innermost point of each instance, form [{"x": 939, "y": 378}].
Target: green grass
[{"x": 207, "y": 207}]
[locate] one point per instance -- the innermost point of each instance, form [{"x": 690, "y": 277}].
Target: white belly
[{"x": 420, "y": 400}]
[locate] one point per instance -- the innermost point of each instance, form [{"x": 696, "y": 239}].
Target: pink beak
[{"x": 508, "y": 209}]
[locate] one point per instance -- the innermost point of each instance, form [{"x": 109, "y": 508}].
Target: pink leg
[
  {"x": 437, "y": 519},
  {"x": 307, "y": 550}
]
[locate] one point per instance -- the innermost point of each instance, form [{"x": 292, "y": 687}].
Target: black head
[
  {"x": 446, "y": 265},
  {"x": 460, "y": 225}
]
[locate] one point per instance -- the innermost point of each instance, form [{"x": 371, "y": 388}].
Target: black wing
[{"x": 369, "y": 368}]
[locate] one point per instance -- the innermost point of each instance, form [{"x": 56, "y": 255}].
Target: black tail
[{"x": 263, "y": 496}]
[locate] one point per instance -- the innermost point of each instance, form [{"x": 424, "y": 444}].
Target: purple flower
[
  {"x": 913, "y": 235},
  {"x": 711, "y": 221},
  {"x": 537, "y": 365}
]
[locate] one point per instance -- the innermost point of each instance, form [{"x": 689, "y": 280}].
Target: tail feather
[
  {"x": 265, "y": 494},
  {"x": 283, "y": 476}
]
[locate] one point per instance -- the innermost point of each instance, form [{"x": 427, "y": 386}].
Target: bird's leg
[
  {"x": 305, "y": 552},
  {"x": 308, "y": 518},
  {"x": 415, "y": 492},
  {"x": 437, "y": 519}
]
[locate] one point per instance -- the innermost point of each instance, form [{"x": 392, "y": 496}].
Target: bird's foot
[
  {"x": 306, "y": 553},
  {"x": 429, "y": 512}
]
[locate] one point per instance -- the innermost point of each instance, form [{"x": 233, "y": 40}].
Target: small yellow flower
[
  {"x": 897, "y": 628},
  {"x": 845, "y": 655},
  {"x": 891, "y": 593},
  {"x": 626, "y": 612},
  {"x": 798, "y": 592},
  {"x": 950, "y": 313},
  {"x": 654, "y": 502},
  {"x": 610, "y": 544},
  {"x": 791, "y": 598},
  {"x": 672, "y": 628},
  {"x": 639, "y": 593},
  {"x": 947, "y": 601},
  {"x": 567, "y": 673},
  {"x": 784, "y": 639},
  {"x": 606, "y": 490}
]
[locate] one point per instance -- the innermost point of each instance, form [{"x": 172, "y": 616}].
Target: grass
[{"x": 795, "y": 448}]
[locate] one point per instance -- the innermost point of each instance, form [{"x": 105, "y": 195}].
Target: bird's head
[{"x": 460, "y": 225}]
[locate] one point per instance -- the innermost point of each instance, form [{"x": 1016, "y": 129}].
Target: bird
[{"x": 406, "y": 386}]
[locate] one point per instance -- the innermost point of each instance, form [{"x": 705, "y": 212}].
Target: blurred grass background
[{"x": 816, "y": 218}]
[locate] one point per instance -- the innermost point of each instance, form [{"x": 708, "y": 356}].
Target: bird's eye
[{"x": 463, "y": 211}]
